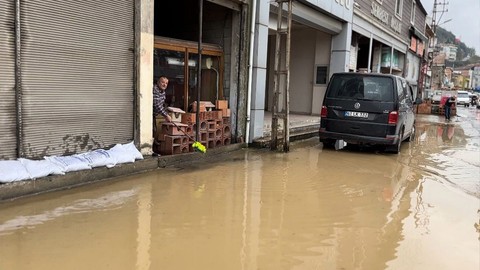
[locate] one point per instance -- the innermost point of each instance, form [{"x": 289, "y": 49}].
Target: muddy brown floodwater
[{"x": 311, "y": 208}]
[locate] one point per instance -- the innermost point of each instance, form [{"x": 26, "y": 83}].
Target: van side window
[
  {"x": 400, "y": 88},
  {"x": 409, "y": 94}
]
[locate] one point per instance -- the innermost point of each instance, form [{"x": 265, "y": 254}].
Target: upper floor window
[
  {"x": 412, "y": 14},
  {"x": 398, "y": 7}
]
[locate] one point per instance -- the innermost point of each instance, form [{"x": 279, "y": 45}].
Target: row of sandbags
[{"x": 27, "y": 169}]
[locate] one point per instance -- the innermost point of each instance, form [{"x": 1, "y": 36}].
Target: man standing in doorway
[
  {"x": 159, "y": 106},
  {"x": 159, "y": 96}
]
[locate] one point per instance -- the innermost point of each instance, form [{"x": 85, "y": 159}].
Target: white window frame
[
  {"x": 412, "y": 16},
  {"x": 399, "y": 4}
]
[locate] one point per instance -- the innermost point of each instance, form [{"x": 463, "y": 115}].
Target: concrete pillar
[
  {"x": 144, "y": 39},
  {"x": 259, "y": 70},
  {"x": 340, "y": 59}
]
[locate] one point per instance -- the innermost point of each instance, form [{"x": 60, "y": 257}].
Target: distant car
[
  {"x": 437, "y": 96},
  {"x": 367, "y": 108},
  {"x": 463, "y": 98}
]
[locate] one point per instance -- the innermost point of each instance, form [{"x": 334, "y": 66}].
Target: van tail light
[
  {"x": 323, "y": 113},
  {"x": 393, "y": 117}
]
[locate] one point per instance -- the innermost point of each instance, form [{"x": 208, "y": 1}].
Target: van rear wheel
[
  {"x": 412, "y": 134},
  {"x": 395, "y": 149},
  {"x": 328, "y": 143}
]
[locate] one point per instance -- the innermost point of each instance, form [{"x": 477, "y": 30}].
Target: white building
[{"x": 450, "y": 51}]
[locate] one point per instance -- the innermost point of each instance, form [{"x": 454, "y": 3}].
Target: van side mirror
[{"x": 418, "y": 100}]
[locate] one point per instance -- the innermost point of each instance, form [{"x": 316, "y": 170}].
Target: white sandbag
[
  {"x": 41, "y": 168},
  {"x": 99, "y": 158},
  {"x": 132, "y": 149},
  {"x": 13, "y": 170},
  {"x": 120, "y": 154},
  {"x": 70, "y": 163}
]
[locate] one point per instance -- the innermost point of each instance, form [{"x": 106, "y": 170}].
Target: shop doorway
[{"x": 178, "y": 60}]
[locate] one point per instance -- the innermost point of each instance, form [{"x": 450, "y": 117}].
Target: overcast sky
[{"x": 465, "y": 23}]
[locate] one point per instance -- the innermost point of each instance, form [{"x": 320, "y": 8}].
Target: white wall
[
  {"x": 322, "y": 57},
  {"x": 302, "y": 70},
  {"x": 309, "y": 48}
]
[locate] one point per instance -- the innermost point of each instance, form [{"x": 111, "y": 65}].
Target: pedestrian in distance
[
  {"x": 448, "y": 107},
  {"x": 159, "y": 104}
]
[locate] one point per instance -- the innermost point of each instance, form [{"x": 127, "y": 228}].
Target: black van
[{"x": 367, "y": 108}]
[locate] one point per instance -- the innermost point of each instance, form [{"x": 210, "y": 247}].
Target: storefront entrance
[{"x": 178, "y": 60}]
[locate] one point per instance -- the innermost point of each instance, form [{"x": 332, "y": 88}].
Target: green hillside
[{"x": 465, "y": 55}]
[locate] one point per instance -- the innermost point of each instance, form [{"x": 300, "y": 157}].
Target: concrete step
[{"x": 296, "y": 133}]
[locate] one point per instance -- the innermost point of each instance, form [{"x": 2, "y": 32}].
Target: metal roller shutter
[
  {"x": 77, "y": 75},
  {"x": 8, "y": 137}
]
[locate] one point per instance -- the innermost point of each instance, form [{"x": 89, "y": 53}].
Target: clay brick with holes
[
  {"x": 226, "y": 140},
  {"x": 217, "y": 115},
  {"x": 211, "y": 143},
  {"x": 189, "y": 118},
  {"x": 203, "y": 136},
  {"x": 218, "y": 133},
  {"x": 226, "y": 112},
  {"x": 226, "y": 131},
  {"x": 171, "y": 129},
  {"x": 211, "y": 135},
  {"x": 211, "y": 125},
  {"x": 172, "y": 149},
  {"x": 226, "y": 120},
  {"x": 221, "y": 104},
  {"x": 203, "y": 126}
]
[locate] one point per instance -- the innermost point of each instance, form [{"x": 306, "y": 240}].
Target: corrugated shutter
[
  {"x": 8, "y": 137},
  {"x": 77, "y": 75}
]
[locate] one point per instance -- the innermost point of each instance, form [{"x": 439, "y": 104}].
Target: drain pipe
[{"x": 250, "y": 69}]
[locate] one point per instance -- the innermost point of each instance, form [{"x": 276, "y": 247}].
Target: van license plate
[{"x": 357, "y": 114}]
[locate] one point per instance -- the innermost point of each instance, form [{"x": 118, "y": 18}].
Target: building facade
[
  {"x": 334, "y": 36},
  {"x": 389, "y": 37},
  {"x": 320, "y": 46},
  {"x": 77, "y": 75}
]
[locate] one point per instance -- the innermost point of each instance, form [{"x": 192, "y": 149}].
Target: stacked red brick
[
  {"x": 173, "y": 139},
  {"x": 215, "y": 129}
]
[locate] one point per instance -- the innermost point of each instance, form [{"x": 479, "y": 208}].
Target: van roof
[{"x": 367, "y": 74}]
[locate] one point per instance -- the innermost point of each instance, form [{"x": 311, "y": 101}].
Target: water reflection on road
[{"x": 255, "y": 209}]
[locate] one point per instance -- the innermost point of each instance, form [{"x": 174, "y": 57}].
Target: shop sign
[
  {"x": 344, "y": 3},
  {"x": 381, "y": 14}
]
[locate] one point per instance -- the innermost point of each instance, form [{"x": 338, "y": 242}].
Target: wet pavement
[{"x": 312, "y": 208}]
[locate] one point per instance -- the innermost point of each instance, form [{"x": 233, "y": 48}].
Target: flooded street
[{"x": 311, "y": 208}]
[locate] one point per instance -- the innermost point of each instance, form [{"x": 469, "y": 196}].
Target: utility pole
[{"x": 439, "y": 8}]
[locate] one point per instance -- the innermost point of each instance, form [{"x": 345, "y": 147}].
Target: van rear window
[{"x": 361, "y": 87}]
